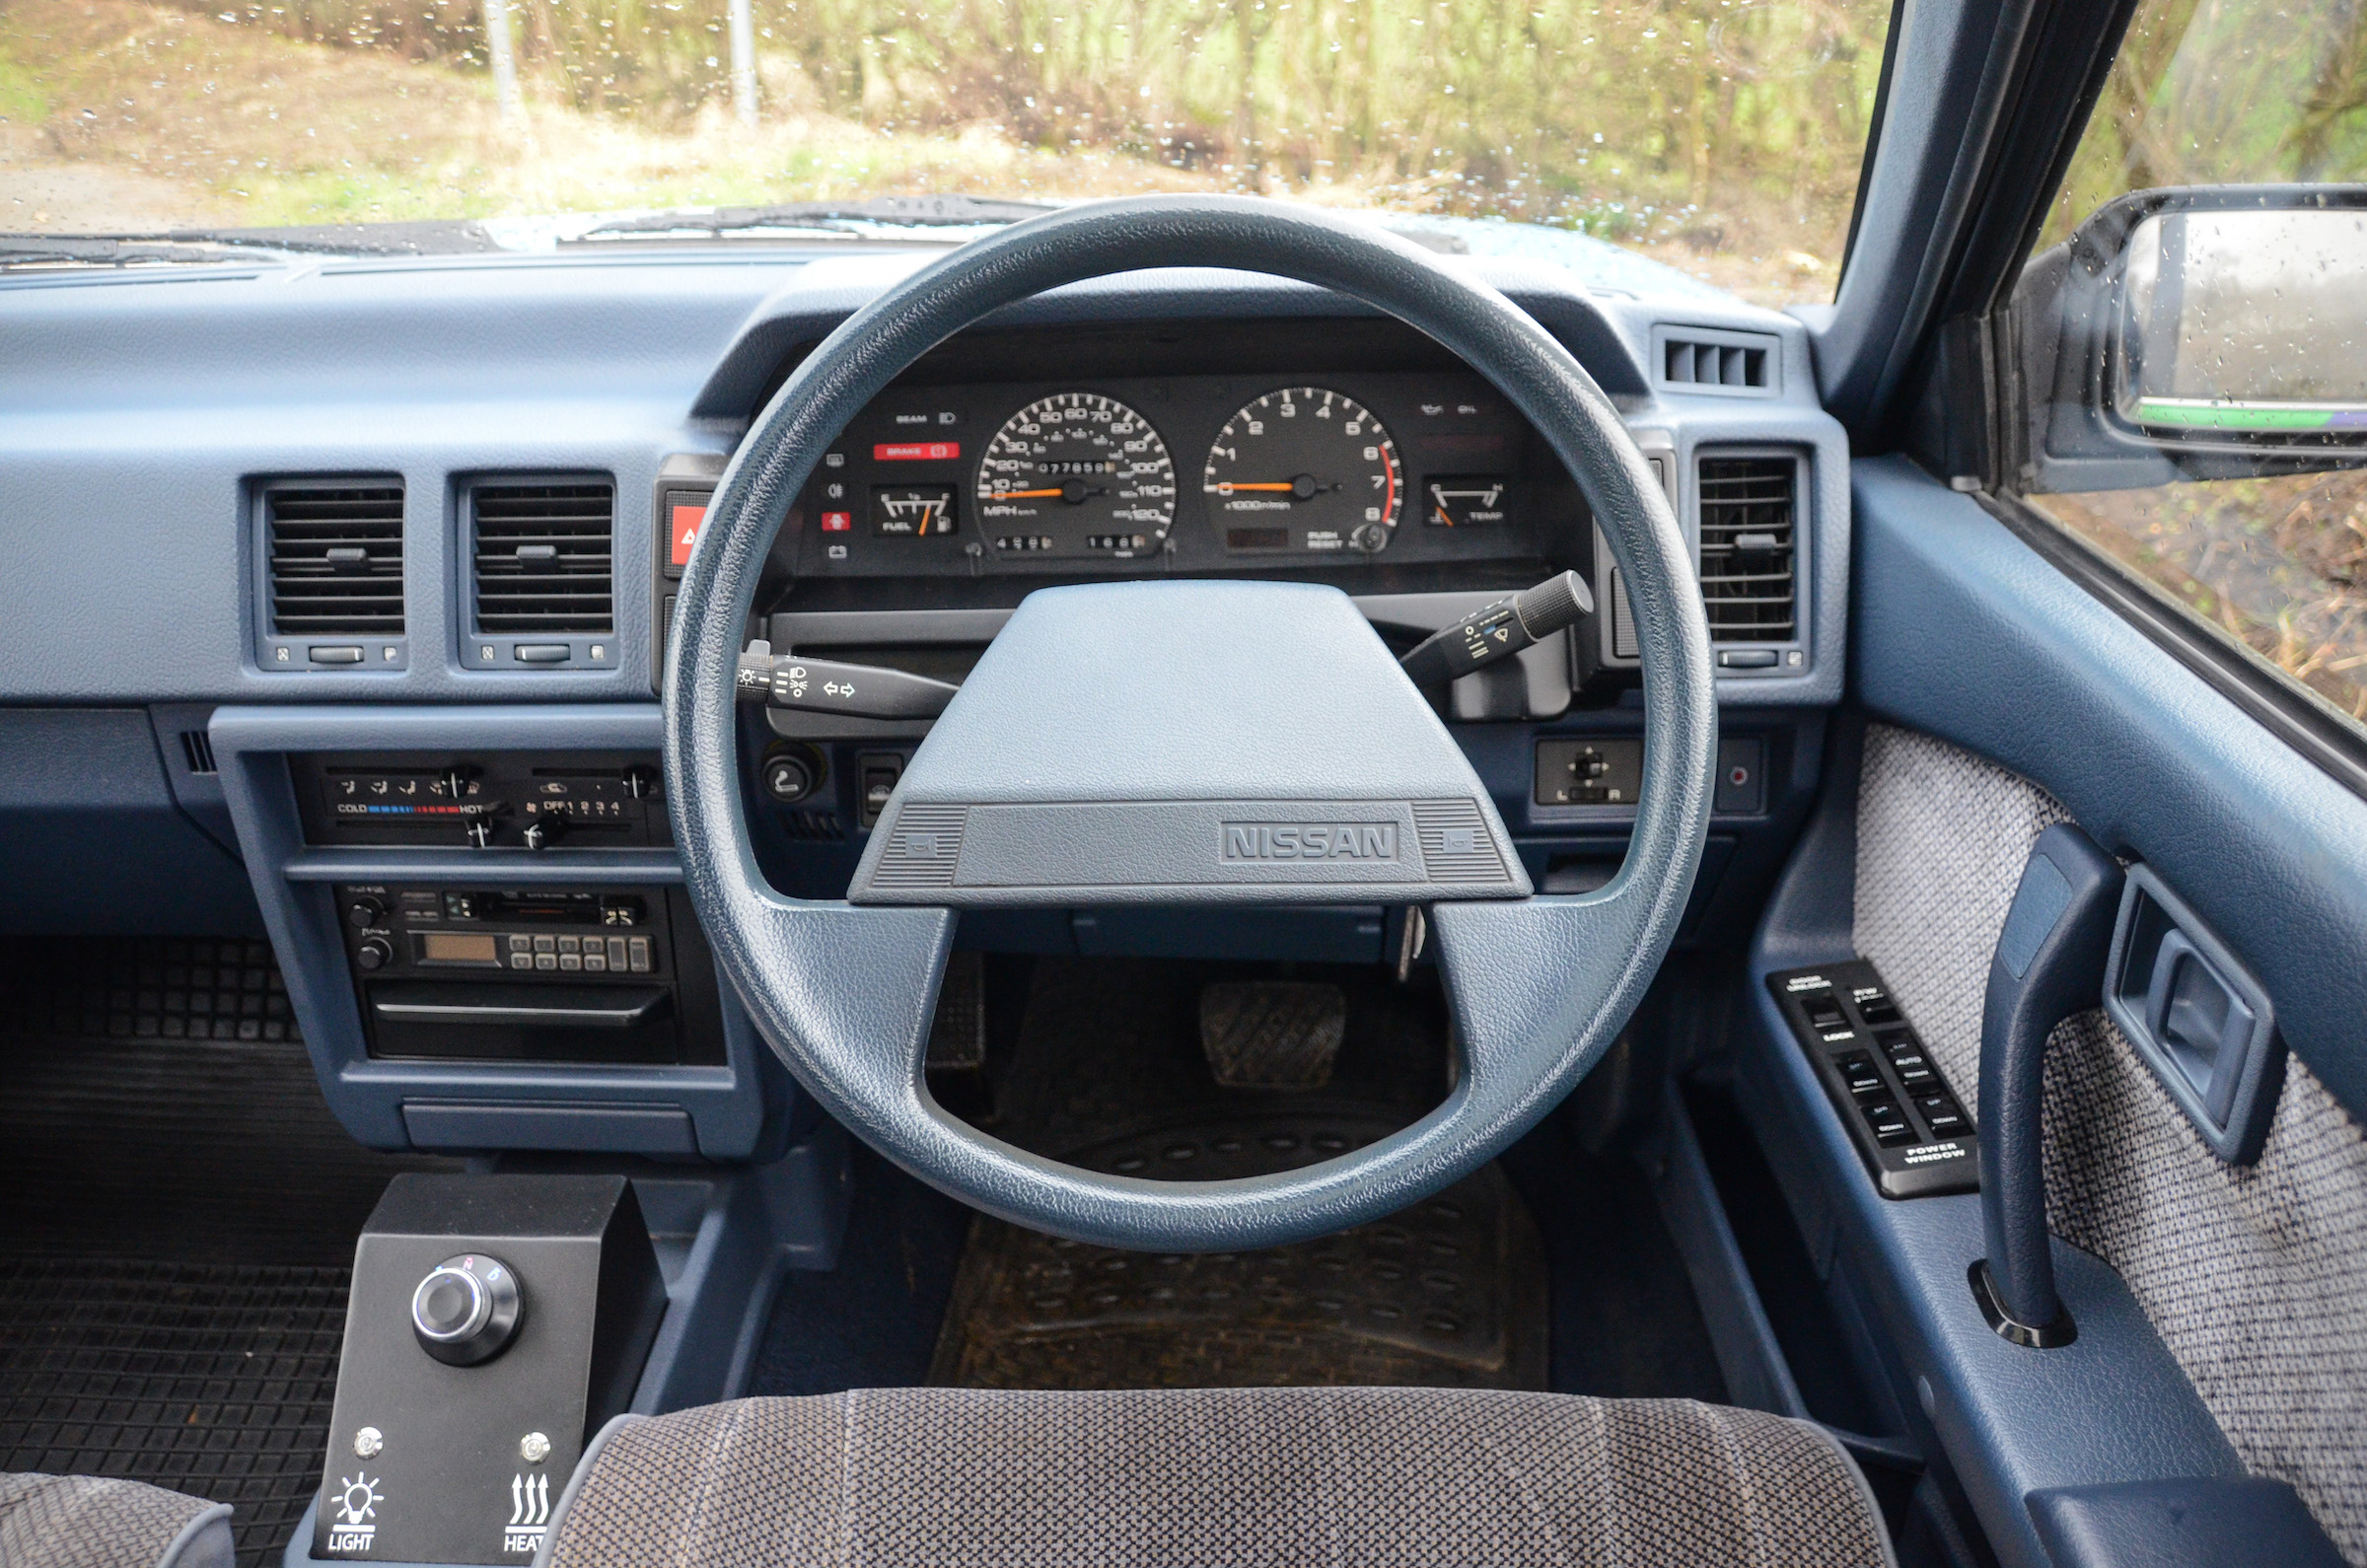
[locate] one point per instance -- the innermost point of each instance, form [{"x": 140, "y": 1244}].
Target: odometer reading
[
  {"x": 1304, "y": 468},
  {"x": 1076, "y": 473}
]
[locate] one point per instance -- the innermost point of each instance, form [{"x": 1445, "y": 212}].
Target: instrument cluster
[{"x": 1178, "y": 472}]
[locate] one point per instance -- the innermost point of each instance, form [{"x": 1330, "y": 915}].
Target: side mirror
[{"x": 2198, "y": 334}]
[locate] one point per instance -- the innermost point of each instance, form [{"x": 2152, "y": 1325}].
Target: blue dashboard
[{"x": 355, "y": 524}]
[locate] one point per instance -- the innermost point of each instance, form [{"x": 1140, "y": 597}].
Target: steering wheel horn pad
[
  {"x": 1169, "y": 741},
  {"x": 1187, "y": 743}
]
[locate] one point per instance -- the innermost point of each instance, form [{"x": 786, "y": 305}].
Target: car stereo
[{"x": 476, "y": 972}]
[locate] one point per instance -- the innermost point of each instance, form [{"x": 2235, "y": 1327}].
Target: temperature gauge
[{"x": 1465, "y": 501}]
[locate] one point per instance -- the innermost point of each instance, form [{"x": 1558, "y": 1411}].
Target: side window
[{"x": 2188, "y": 344}]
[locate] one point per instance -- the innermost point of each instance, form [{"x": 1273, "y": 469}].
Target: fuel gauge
[{"x": 911, "y": 511}]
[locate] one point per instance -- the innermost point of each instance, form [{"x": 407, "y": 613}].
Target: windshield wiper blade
[
  {"x": 912, "y": 212},
  {"x": 20, "y": 251},
  {"x": 179, "y": 245}
]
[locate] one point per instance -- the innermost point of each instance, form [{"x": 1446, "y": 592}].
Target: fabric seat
[
  {"x": 1214, "y": 1479},
  {"x": 89, "y": 1522}
]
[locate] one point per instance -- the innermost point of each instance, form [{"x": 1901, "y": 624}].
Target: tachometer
[
  {"x": 1076, "y": 473},
  {"x": 1304, "y": 468}
]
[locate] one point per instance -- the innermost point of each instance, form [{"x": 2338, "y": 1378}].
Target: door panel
[
  {"x": 2250, "y": 1275},
  {"x": 2003, "y": 698},
  {"x": 1966, "y": 633}
]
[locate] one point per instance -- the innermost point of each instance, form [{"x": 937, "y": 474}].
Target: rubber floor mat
[
  {"x": 157, "y": 1102},
  {"x": 215, "y": 1380},
  {"x": 1450, "y": 1293}
]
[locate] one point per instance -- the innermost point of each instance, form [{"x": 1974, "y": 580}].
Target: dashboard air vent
[
  {"x": 1748, "y": 528},
  {"x": 543, "y": 557},
  {"x": 1699, "y": 360},
  {"x": 198, "y": 748},
  {"x": 336, "y": 560}
]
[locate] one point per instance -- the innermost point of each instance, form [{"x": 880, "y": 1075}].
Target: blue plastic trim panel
[
  {"x": 151, "y": 415},
  {"x": 94, "y": 836},
  {"x": 2113, "y": 1406},
  {"x": 1967, "y": 633},
  {"x": 721, "y": 1113},
  {"x": 2188, "y": 1523}
]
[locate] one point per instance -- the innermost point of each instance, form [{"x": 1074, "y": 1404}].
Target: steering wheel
[{"x": 1188, "y": 743}]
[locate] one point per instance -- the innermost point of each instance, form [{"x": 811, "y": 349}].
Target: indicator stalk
[
  {"x": 824, "y": 685},
  {"x": 1499, "y": 630}
]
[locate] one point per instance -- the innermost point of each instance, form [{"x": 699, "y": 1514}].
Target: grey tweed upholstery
[
  {"x": 2255, "y": 1277},
  {"x": 86, "y": 1521},
  {"x": 1215, "y": 1478}
]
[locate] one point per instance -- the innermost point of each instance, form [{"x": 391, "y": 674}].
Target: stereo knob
[
  {"x": 366, "y": 911},
  {"x": 467, "y": 1309},
  {"x": 374, "y": 952}
]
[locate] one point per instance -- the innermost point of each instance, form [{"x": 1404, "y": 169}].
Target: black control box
[
  {"x": 540, "y": 974},
  {"x": 581, "y": 800},
  {"x": 1914, "y": 1133},
  {"x": 496, "y": 1323}
]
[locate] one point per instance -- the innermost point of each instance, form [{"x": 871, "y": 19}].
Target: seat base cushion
[
  {"x": 1225, "y": 1477},
  {"x": 91, "y": 1522}
]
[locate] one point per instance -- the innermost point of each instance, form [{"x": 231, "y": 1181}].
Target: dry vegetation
[
  {"x": 2279, "y": 564},
  {"x": 1720, "y": 135}
]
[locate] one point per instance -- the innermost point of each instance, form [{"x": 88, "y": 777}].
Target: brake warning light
[
  {"x": 916, "y": 450},
  {"x": 687, "y": 520}
]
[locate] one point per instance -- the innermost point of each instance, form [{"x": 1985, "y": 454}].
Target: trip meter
[
  {"x": 1304, "y": 468},
  {"x": 1076, "y": 473}
]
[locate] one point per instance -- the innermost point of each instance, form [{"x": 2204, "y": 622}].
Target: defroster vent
[
  {"x": 1701, "y": 359},
  {"x": 543, "y": 557},
  {"x": 1749, "y": 529},
  {"x": 336, "y": 560}
]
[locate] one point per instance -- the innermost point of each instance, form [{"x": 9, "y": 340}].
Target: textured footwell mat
[
  {"x": 211, "y": 1379},
  {"x": 1450, "y": 1293},
  {"x": 156, "y": 1101}
]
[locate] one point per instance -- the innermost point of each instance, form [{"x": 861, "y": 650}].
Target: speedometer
[
  {"x": 1304, "y": 468},
  {"x": 1076, "y": 473}
]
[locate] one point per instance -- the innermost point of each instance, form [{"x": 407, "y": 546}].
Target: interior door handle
[{"x": 2049, "y": 964}]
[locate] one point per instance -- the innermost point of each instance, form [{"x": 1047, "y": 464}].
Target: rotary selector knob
[
  {"x": 467, "y": 1309},
  {"x": 374, "y": 952}
]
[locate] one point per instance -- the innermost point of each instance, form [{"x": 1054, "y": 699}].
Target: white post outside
[
  {"x": 743, "y": 61},
  {"x": 505, "y": 65}
]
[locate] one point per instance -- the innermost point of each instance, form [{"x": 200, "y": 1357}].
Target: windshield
[{"x": 1720, "y": 137}]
